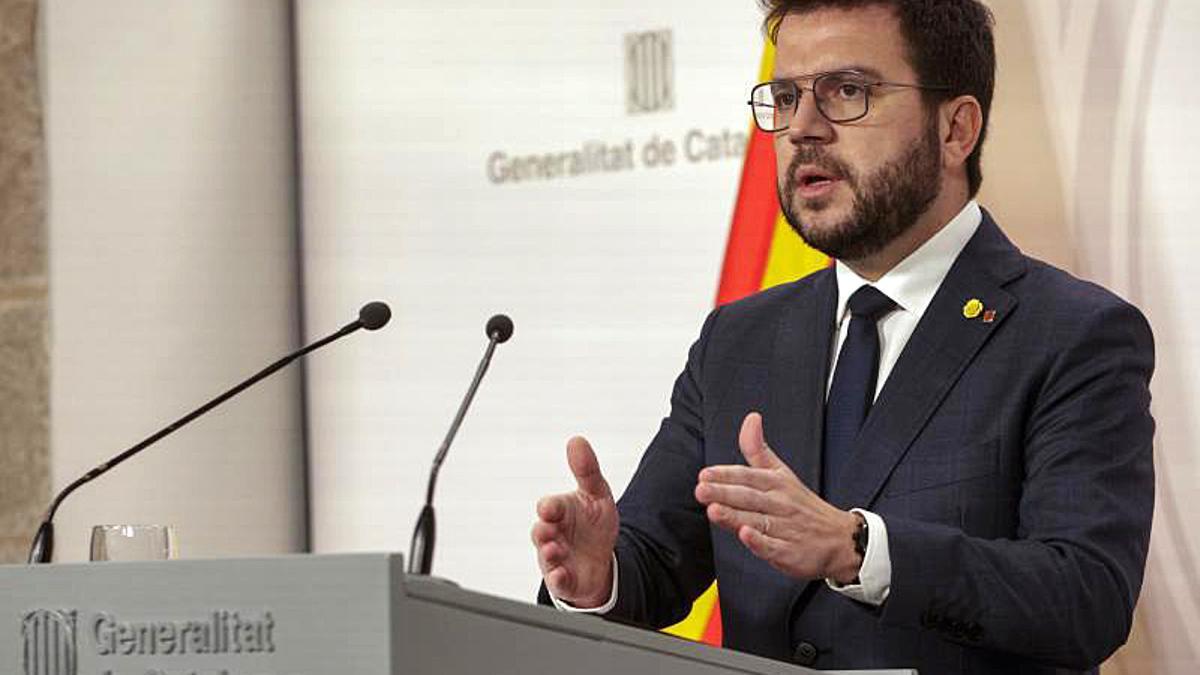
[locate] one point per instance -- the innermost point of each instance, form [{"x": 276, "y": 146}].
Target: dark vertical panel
[
  {"x": 643, "y": 76},
  {"x": 653, "y": 63},
  {"x": 298, "y": 235},
  {"x": 42, "y": 629}
]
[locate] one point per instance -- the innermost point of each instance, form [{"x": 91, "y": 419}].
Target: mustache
[{"x": 813, "y": 155}]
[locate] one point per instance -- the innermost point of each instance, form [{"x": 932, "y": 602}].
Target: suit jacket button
[{"x": 806, "y": 654}]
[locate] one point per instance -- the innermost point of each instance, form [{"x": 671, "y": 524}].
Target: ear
[{"x": 960, "y": 123}]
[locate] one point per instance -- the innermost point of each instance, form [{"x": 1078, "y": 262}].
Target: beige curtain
[
  {"x": 1051, "y": 179},
  {"x": 24, "y": 367}
]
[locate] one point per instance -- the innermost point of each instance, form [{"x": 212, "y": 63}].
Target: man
[{"x": 935, "y": 455}]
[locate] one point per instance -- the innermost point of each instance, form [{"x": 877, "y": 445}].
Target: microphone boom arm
[
  {"x": 458, "y": 419},
  {"x": 42, "y": 548},
  {"x": 420, "y": 553}
]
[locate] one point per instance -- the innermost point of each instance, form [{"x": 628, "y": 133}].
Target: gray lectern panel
[
  {"x": 523, "y": 638},
  {"x": 311, "y": 615},
  {"x": 511, "y": 634},
  {"x": 295, "y": 614}
]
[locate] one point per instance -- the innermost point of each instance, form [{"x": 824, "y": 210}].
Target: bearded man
[{"x": 936, "y": 454}]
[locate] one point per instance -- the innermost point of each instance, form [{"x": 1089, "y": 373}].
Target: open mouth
[{"x": 814, "y": 181}]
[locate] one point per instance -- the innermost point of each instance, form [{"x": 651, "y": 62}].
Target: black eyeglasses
[{"x": 842, "y": 96}]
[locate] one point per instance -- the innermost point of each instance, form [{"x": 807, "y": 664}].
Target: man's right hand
[{"x": 576, "y": 532}]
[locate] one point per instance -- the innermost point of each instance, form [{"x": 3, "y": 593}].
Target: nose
[{"x": 808, "y": 125}]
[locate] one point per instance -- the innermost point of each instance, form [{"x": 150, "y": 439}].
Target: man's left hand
[{"x": 777, "y": 516}]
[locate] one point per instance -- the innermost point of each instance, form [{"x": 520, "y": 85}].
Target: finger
[
  {"x": 763, "y": 546},
  {"x": 754, "y": 444},
  {"x": 553, "y": 509},
  {"x": 553, "y": 554},
  {"x": 585, "y": 466},
  {"x": 733, "y": 474},
  {"x": 781, "y": 478},
  {"x": 736, "y": 496},
  {"x": 732, "y": 519},
  {"x": 559, "y": 581},
  {"x": 544, "y": 532}
]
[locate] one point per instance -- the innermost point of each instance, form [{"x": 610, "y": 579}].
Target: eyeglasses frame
[{"x": 868, "y": 85}]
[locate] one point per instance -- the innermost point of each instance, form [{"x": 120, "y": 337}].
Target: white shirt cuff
[
  {"x": 875, "y": 575},
  {"x": 564, "y": 606}
]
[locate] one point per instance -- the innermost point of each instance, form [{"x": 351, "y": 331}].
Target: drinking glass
[{"x": 133, "y": 542}]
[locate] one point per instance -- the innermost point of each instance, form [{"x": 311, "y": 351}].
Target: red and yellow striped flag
[{"x": 762, "y": 251}]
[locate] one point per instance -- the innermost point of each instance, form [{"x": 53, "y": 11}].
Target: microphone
[
  {"x": 372, "y": 316},
  {"x": 375, "y": 315},
  {"x": 499, "y": 329}
]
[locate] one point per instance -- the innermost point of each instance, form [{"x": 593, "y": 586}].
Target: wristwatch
[{"x": 861, "y": 536}]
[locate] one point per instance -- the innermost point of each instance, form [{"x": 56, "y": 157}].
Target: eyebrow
[{"x": 867, "y": 71}]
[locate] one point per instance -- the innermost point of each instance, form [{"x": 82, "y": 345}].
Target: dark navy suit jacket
[{"x": 1010, "y": 458}]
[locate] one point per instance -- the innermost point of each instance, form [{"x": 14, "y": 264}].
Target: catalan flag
[{"x": 762, "y": 251}]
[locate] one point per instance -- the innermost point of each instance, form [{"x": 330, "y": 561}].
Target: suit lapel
[
  {"x": 799, "y": 370},
  {"x": 943, "y": 344}
]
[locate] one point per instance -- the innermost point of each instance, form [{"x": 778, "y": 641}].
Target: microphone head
[
  {"x": 500, "y": 328},
  {"x": 375, "y": 315}
]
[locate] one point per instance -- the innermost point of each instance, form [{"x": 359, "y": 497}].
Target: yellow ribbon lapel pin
[{"x": 974, "y": 308}]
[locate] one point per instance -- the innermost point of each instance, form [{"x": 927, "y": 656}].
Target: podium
[{"x": 314, "y": 615}]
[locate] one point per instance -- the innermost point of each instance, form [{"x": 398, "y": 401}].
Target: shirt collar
[{"x": 913, "y": 282}]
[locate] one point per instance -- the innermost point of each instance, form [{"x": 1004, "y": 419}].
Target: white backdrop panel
[
  {"x": 172, "y": 268},
  {"x": 608, "y": 275}
]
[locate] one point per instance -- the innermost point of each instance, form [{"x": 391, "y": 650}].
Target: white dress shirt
[{"x": 911, "y": 284}]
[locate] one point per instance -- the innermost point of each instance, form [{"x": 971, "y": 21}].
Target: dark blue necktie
[{"x": 853, "y": 388}]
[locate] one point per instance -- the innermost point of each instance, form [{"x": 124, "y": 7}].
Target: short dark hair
[{"x": 950, "y": 45}]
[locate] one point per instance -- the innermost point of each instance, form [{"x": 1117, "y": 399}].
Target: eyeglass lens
[{"x": 840, "y": 97}]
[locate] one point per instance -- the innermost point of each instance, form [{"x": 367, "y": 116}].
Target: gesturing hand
[
  {"x": 576, "y": 531},
  {"x": 777, "y": 516}
]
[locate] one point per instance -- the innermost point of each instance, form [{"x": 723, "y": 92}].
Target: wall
[{"x": 24, "y": 357}]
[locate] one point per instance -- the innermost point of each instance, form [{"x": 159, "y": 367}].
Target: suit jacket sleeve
[
  {"x": 664, "y": 549},
  {"x": 1063, "y": 591}
]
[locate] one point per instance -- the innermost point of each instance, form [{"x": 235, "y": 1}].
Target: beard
[{"x": 887, "y": 202}]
